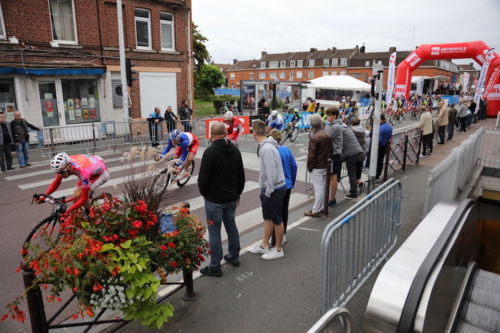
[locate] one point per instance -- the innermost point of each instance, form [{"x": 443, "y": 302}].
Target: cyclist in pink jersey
[{"x": 90, "y": 170}]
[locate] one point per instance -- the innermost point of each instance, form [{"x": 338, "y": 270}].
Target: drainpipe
[{"x": 190, "y": 57}]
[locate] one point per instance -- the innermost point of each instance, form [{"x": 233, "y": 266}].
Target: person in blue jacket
[
  {"x": 290, "y": 171},
  {"x": 154, "y": 120},
  {"x": 383, "y": 142}
]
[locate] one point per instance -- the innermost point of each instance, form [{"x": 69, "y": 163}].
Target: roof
[
  {"x": 223, "y": 67},
  {"x": 242, "y": 65},
  {"x": 339, "y": 82}
]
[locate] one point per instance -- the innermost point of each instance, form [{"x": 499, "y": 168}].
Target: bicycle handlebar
[{"x": 61, "y": 202}]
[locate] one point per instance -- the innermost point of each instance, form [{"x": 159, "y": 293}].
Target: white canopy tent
[{"x": 345, "y": 82}]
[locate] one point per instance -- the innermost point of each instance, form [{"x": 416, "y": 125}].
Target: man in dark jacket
[
  {"x": 170, "y": 119},
  {"x": 452, "y": 120},
  {"x": 6, "y": 140},
  {"x": 185, "y": 114},
  {"x": 21, "y": 137},
  {"x": 221, "y": 182},
  {"x": 154, "y": 121},
  {"x": 384, "y": 139}
]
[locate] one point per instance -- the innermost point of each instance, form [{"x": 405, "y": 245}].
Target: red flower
[
  {"x": 171, "y": 245},
  {"x": 137, "y": 224},
  {"x": 4, "y": 317},
  {"x": 18, "y": 269},
  {"x": 74, "y": 317},
  {"x": 163, "y": 248},
  {"x": 173, "y": 264}
]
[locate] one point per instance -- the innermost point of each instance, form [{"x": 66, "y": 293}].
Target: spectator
[
  {"x": 319, "y": 152},
  {"x": 317, "y": 107},
  {"x": 312, "y": 106},
  {"x": 470, "y": 113},
  {"x": 334, "y": 129},
  {"x": 425, "y": 126},
  {"x": 368, "y": 145},
  {"x": 290, "y": 170},
  {"x": 6, "y": 140},
  {"x": 221, "y": 182},
  {"x": 483, "y": 106},
  {"x": 154, "y": 121},
  {"x": 22, "y": 138},
  {"x": 360, "y": 134},
  {"x": 452, "y": 120},
  {"x": 261, "y": 103},
  {"x": 462, "y": 115},
  {"x": 442, "y": 121},
  {"x": 185, "y": 114},
  {"x": 170, "y": 119},
  {"x": 352, "y": 153},
  {"x": 383, "y": 142},
  {"x": 273, "y": 185},
  {"x": 264, "y": 110}
]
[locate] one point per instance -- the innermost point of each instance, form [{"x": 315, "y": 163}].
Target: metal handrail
[{"x": 328, "y": 318}]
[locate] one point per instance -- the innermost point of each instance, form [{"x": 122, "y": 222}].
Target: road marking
[
  {"x": 301, "y": 158},
  {"x": 307, "y": 229}
]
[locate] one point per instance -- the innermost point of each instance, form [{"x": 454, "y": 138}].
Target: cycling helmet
[
  {"x": 274, "y": 113},
  {"x": 175, "y": 134},
  {"x": 228, "y": 115},
  {"x": 60, "y": 162}
]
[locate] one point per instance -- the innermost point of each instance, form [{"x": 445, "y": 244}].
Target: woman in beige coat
[{"x": 425, "y": 126}]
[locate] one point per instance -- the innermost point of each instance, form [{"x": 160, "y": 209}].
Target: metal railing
[
  {"x": 71, "y": 138},
  {"x": 356, "y": 242},
  {"x": 490, "y": 148},
  {"x": 329, "y": 317},
  {"x": 449, "y": 177},
  {"x": 404, "y": 150}
]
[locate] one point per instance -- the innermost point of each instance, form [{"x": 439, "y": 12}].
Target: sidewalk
[{"x": 283, "y": 295}]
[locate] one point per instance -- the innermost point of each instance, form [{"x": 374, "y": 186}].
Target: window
[
  {"x": 292, "y": 63},
  {"x": 7, "y": 98},
  {"x": 325, "y": 73},
  {"x": 142, "y": 28},
  {"x": 343, "y": 62},
  {"x": 263, "y": 64},
  {"x": 167, "y": 31},
  {"x": 334, "y": 72},
  {"x": 367, "y": 63},
  {"x": 311, "y": 62},
  {"x": 299, "y": 63},
  {"x": 272, "y": 75},
  {"x": 62, "y": 17},
  {"x": 380, "y": 62},
  {"x": 81, "y": 101},
  {"x": 366, "y": 77},
  {"x": 251, "y": 76},
  {"x": 292, "y": 75},
  {"x": 282, "y": 75},
  {"x": 232, "y": 76},
  {"x": 299, "y": 74},
  {"x": 273, "y": 64},
  {"x": 342, "y": 72},
  {"x": 356, "y": 75},
  {"x": 335, "y": 61},
  {"x": 3, "y": 35},
  {"x": 282, "y": 63},
  {"x": 310, "y": 74},
  {"x": 262, "y": 76},
  {"x": 326, "y": 62}
]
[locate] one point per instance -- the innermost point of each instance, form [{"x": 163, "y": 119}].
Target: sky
[{"x": 243, "y": 29}]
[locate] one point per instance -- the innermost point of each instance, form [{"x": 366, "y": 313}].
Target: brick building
[
  {"x": 59, "y": 59},
  {"x": 473, "y": 74},
  {"x": 223, "y": 68}
]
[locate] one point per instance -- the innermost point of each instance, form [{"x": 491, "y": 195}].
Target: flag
[
  {"x": 482, "y": 78},
  {"x": 390, "y": 79},
  {"x": 466, "y": 81}
]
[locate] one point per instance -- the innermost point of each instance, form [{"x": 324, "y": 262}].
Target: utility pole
[
  {"x": 376, "y": 92},
  {"x": 123, "y": 74}
]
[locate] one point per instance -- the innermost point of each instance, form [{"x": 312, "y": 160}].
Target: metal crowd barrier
[
  {"x": 490, "y": 148},
  {"x": 449, "y": 177},
  {"x": 329, "y": 317},
  {"x": 356, "y": 242},
  {"x": 70, "y": 138}
]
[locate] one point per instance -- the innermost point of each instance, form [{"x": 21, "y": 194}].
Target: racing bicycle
[
  {"x": 228, "y": 107},
  {"x": 291, "y": 131},
  {"x": 166, "y": 169}
]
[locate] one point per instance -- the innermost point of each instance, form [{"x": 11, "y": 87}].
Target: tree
[
  {"x": 207, "y": 78},
  {"x": 200, "y": 52}
]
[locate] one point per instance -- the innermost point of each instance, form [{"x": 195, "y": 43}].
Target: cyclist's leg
[{"x": 192, "y": 150}]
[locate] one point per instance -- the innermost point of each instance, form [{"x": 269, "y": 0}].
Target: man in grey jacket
[
  {"x": 462, "y": 115},
  {"x": 334, "y": 128},
  {"x": 273, "y": 190},
  {"x": 6, "y": 140}
]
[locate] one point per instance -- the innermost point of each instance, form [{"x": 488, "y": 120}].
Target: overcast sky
[{"x": 243, "y": 29}]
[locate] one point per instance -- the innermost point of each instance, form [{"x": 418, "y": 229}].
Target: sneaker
[
  {"x": 208, "y": 272},
  {"x": 273, "y": 254},
  {"x": 377, "y": 180},
  {"x": 422, "y": 156},
  {"x": 350, "y": 196},
  {"x": 12, "y": 168},
  {"x": 284, "y": 240},
  {"x": 332, "y": 203},
  {"x": 311, "y": 214},
  {"x": 361, "y": 187},
  {"x": 259, "y": 249},
  {"x": 232, "y": 261}
]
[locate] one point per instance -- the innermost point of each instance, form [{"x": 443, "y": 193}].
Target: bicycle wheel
[
  {"x": 295, "y": 133},
  {"x": 284, "y": 135},
  {"x": 44, "y": 236},
  {"x": 222, "y": 110},
  {"x": 182, "y": 182}
]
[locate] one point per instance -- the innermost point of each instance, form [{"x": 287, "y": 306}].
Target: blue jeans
[
  {"x": 216, "y": 215},
  {"x": 451, "y": 128},
  {"x": 469, "y": 119},
  {"x": 22, "y": 153}
]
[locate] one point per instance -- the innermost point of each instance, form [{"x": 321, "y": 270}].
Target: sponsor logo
[
  {"x": 413, "y": 59},
  {"x": 85, "y": 183},
  {"x": 458, "y": 49},
  {"x": 435, "y": 50}
]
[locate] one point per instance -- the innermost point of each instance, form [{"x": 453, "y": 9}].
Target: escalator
[{"x": 445, "y": 277}]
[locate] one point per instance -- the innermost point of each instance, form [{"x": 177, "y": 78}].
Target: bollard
[
  {"x": 35, "y": 304},
  {"x": 324, "y": 216},
  {"x": 190, "y": 295}
]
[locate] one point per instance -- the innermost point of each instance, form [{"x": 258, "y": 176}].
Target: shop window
[
  {"x": 142, "y": 28},
  {"x": 62, "y": 17},
  {"x": 81, "y": 101},
  {"x": 167, "y": 31},
  {"x": 7, "y": 98}
]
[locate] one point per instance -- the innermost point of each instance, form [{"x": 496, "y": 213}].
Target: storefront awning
[{"x": 52, "y": 71}]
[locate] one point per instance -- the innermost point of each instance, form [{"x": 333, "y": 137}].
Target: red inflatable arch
[{"x": 475, "y": 50}]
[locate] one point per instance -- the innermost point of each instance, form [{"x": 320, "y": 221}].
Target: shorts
[
  {"x": 272, "y": 207},
  {"x": 193, "y": 149},
  {"x": 96, "y": 181},
  {"x": 278, "y": 127},
  {"x": 336, "y": 167}
]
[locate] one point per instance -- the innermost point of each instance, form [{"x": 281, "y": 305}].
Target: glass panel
[
  {"x": 63, "y": 21},
  {"x": 166, "y": 17},
  {"x": 48, "y": 103},
  {"x": 142, "y": 33},
  {"x": 141, "y": 13},
  {"x": 7, "y": 98},
  {"x": 166, "y": 36},
  {"x": 81, "y": 101}
]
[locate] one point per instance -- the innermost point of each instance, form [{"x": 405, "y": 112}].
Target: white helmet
[
  {"x": 60, "y": 162},
  {"x": 274, "y": 113},
  {"x": 228, "y": 115},
  {"x": 343, "y": 100}
]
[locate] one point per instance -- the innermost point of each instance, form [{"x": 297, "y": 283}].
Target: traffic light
[{"x": 130, "y": 72}]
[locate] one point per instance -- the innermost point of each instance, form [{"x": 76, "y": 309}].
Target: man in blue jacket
[
  {"x": 383, "y": 142},
  {"x": 154, "y": 121},
  {"x": 290, "y": 170}
]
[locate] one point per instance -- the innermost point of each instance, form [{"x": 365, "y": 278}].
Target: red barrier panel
[{"x": 245, "y": 121}]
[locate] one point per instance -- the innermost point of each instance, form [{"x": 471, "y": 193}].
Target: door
[{"x": 48, "y": 101}]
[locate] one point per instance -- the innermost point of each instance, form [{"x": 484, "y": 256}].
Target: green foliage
[
  {"x": 219, "y": 99},
  {"x": 208, "y": 78},
  {"x": 203, "y": 108},
  {"x": 200, "y": 52}
]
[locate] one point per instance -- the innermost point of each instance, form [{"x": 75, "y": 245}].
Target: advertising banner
[
  {"x": 296, "y": 97},
  {"x": 420, "y": 86},
  {"x": 245, "y": 121},
  {"x": 466, "y": 81},
  {"x": 491, "y": 85},
  {"x": 249, "y": 96},
  {"x": 482, "y": 78},
  {"x": 390, "y": 77}
]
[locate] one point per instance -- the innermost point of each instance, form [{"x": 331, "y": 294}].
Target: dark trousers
[
  {"x": 359, "y": 169},
  {"x": 284, "y": 214},
  {"x": 427, "y": 143},
  {"x": 350, "y": 163},
  {"x": 187, "y": 126},
  {"x": 451, "y": 129},
  {"x": 382, "y": 150},
  {"x": 463, "y": 124},
  {"x": 5, "y": 151},
  {"x": 441, "y": 134}
]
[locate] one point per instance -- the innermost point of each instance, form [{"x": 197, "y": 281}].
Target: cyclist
[
  {"x": 187, "y": 147},
  {"x": 293, "y": 117},
  {"x": 275, "y": 120},
  {"x": 90, "y": 170},
  {"x": 234, "y": 127}
]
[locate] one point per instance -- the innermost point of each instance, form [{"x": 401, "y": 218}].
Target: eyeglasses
[{"x": 61, "y": 172}]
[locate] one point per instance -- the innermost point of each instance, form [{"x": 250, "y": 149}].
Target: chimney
[
  {"x": 264, "y": 53},
  {"x": 334, "y": 49},
  {"x": 392, "y": 49},
  {"x": 313, "y": 50},
  {"x": 362, "y": 49},
  {"x": 235, "y": 61}
]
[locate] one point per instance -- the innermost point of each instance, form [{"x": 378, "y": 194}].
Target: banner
[
  {"x": 466, "y": 82},
  {"x": 296, "y": 97},
  {"x": 390, "y": 78},
  {"x": 482, "y": 78},
  {"x": 491, "y": 82},
  {"x": 420, "y": 86},
  {"x": 245, "y": 122}
]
